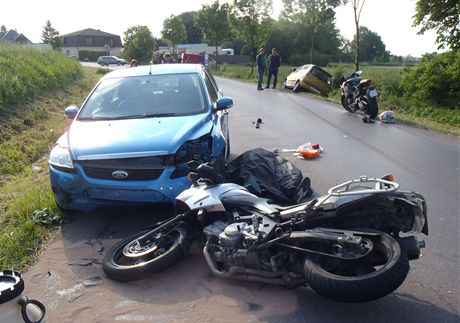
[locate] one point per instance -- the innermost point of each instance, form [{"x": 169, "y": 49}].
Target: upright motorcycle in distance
[
  {"x": 346, "y": 245},
  {"x": 358, "y": 94}
]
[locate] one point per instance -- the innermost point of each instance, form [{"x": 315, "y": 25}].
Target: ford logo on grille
[{"x": 120, "y": 174}]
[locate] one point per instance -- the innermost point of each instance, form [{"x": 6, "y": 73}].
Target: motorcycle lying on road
[
  {"x": 359, "y": 94},
  {"x": 346, "y": 245}
]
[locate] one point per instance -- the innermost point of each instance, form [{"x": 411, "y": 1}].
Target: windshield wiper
[
  {"x": 134, "y": 116},
  {"x": 95, "y": 118},
  {"x": 145, "y": 115}
]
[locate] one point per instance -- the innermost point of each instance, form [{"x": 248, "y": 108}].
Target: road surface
[{"x": 68, "y": 277}]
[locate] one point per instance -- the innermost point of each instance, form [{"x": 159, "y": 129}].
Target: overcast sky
[{"x": 391, "y": 19}]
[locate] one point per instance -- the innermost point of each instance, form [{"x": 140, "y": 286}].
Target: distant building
[
  {"x": 196, "y": 49},
  {"x": 91, "y": 39},
  {"x": 12, "y": 36}
]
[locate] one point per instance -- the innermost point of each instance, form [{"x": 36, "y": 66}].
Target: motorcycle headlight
[{"x": 60, "y": 158}]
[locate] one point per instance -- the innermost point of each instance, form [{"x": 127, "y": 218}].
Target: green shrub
[
  {"x": 435, "y": 79},
  {"x": 25, "y": 73}
]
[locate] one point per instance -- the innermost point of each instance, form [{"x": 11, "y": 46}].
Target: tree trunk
[
  {"x": 357, "y": 47},
  {"x": 355, "y": 8},
  {"x": 311, "y": 48}
]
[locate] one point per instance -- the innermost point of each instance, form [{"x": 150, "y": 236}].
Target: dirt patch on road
[{"x": 69, "y": 280}]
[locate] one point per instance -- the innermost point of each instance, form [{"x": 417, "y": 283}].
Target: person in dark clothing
[
  {"x": 274, "y": 62},
  {"x": 157, "y": 59},
  {"x": 260, "y": 59}
]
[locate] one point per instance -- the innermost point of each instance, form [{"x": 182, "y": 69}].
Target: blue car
[{"x": 130, "y": 141}]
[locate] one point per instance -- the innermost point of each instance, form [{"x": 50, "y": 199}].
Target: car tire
[
  {"x": 283, "y": 85},
  {"x": 296, "y": 87}
]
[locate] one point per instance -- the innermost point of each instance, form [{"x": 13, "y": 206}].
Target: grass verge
[{"x": 28, "y": 213}]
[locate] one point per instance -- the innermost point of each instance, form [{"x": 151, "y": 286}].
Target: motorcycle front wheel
[
  {"x": 345, "y": 104},
  {"x": 128, "y": 260},
  {"x": 376, "y": 275}
]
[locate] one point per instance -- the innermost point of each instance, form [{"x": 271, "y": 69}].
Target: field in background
[{"x": 387, "y": 80}]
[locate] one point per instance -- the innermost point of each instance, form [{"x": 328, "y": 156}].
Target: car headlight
[
  {"x": 198, "y": 149},
  {"x": 60, "y": 157}
]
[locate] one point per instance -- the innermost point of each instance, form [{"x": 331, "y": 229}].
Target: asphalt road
[{"x": 421, "y": 160}]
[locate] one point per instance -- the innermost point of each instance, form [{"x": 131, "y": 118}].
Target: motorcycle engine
[{"x": 230, "y": 239}]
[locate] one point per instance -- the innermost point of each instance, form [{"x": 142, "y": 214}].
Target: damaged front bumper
[{"x": 77, "y": 191}]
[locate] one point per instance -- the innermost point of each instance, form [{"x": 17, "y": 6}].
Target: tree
[
  {"x": 55, "y": 41},
  {"x": 194, "y": 34},
  {"x": 173, "y": 31},
  {"x": 250, "y": 21},
  {"x": 212, "y": 19},
  {"x": 444, "y": 17},
  {"x": 138, "y": 43},
  {"x": 371, "y": 46},
  {"x": 357, "y": 8},
  {"x": 48, "y": 32},
  {"x": 313, "y": 15}
]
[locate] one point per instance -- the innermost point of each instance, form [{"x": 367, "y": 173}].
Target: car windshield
[{"x": 144, "y": 97}]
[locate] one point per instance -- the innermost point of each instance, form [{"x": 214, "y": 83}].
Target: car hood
[{"x": 134, "y": 137}]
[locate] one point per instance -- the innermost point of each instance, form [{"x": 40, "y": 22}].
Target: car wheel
[
  {"x": 296, "y": 87},
  {"x": 283, "y": 85}
]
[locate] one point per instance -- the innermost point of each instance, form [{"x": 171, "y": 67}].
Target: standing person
[
  {"x": 167, "y": 58},
  {"x": 274, "y": 62},
  {"x": 260, "y": 59},
  {"x": 157, "y": 59}
]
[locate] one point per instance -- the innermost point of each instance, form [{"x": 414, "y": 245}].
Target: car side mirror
[
  {"x": 223, "y": 103},
  {"x": 71, "y": 112}
]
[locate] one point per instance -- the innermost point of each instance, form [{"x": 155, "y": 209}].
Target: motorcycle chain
[{"x": 311, "y": 251}]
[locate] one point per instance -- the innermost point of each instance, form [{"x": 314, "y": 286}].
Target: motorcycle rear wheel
[
  {"x": 166, "y": 250},
  {"x": 372, "y": 107},
  {"x": 367, "y": 281}
]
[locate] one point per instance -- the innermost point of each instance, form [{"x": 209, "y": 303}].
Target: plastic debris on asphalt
[
  {"x": 305, "y": 151},
  {"x": 366, "y": 119},
  {"x": 257, "y": 123}
]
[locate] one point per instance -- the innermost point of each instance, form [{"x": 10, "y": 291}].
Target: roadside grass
[
  {"x": 28, "y": 214},
  {"x": 25, "y": 73},
  {"x": 387, "y": 80}
]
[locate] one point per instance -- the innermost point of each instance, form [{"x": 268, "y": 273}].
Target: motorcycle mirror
[
  {"x": 193, "y": 164},
  {"x": 193, "y": 177},
  {"x": 359, "y": 72}
]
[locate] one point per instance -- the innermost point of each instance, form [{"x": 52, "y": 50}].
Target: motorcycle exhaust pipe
[{"x": 241, "y": 273}]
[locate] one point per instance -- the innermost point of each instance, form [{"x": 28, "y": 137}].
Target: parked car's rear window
[
  {"x": 145, "y": 96},
  {"x": 322, "y": 75}
]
